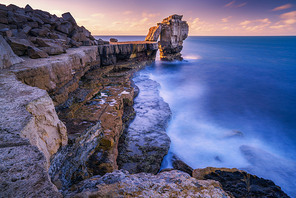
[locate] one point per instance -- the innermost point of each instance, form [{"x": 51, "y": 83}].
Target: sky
[{"x": 205, "y": 17}]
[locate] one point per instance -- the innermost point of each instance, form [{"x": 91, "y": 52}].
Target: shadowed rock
[
  {"x": 7, "y": 57},
  {"x": 239, "y": 183}
]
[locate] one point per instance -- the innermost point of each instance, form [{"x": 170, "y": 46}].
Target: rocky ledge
[{"x": 66, "y": 119}]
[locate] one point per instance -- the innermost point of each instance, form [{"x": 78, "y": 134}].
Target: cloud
[
  {"x": 255, "y": 25},
  {"x": 233, "y": 4},
  {"x": 226, "y": 19},
  {"x": 100, "y": 15},
  {"x": 229, "y": 4},
  {"x": 282, "y": 7},
  {"x": 289, "y": 17},
  {"x": 150, "y": 15},
  {"x": 127, "y": 12}
]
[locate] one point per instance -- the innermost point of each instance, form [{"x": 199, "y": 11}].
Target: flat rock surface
[
  {"x": 145, "y": 142},
  {"x": 167, "y": 184}
]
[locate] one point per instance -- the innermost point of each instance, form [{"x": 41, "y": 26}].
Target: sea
[{"x": 233, "y": 102}]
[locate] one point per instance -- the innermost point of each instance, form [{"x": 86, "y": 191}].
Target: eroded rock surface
[
  {"x": 7, "y": 56},
  {"x": 166, "y": 184},
  {"x": 239, "y": 183},
  {"x": 144, "y": 144},
  {"x": 172, "y": 31}
]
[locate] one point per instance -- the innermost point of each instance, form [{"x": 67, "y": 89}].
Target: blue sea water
[{"x": 233, "y": 101}]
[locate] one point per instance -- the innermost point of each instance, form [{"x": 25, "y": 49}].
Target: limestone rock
[
  {"x": 166, "y": 184},
  {"x": 172, "y": 31},
  {"x": 153, "y": 33},
  {"x": 240, "y": 183},
  {"x": 7, "y": 56},
  {"x": 145, "y": 143}
]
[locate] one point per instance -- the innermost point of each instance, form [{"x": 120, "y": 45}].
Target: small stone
[{"x": 113, "y": 40}]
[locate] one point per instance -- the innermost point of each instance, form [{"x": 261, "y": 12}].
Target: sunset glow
[{"x": 205, "y": 18}]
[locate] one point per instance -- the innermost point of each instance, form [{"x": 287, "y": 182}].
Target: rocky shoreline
[{"x": 74, "y": 124}]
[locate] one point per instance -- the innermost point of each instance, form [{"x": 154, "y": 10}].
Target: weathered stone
[
  {"x": 51, "y": 47},
  {"x": 144, "y": 144},
  {"x": 65, "y": 27},
  {"x": 68, "y": 17},
  {"x": 153, "y": 33},
  {"x": 28, "y": 8},
  {"x": 167, "y": 184},
  {"x": 26, "y": 29},
  {"x": 178, "y": 164},
  {"x": 239, "y": 183},
  {"x": 42, "y": 32},
  {"x": 7, "y": 57},
  {"x": 172, "y": 32},
  {"x": 113, "y": 40},
  {"x": 19, "y": 46},
  {"x": 34, "y": 52}
]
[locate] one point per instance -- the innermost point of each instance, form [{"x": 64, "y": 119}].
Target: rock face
[
  {"x": 172, "y": 31},
  {"x": 23, "y": 27},
  {"x": 166, "y": 184},
  {"x": 239, "y": 183},
  {"x": 23, "y": 165},
  {"x": 7, "y": 56},
  {"x": 144, "y": 144}
]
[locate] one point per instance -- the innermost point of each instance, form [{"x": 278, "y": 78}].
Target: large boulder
[
  {"x": 7, "y": 56},
  {"x": 19, "y": 45}
]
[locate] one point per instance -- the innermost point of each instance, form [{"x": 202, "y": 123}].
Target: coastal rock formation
[
  {"x": 7, "y": 56},
  {"x": 172, "y": 31},
  {"x": 239, "y": 183},
  {"x": 166, "y": 184},
  {"x": 144, "y": 144},
  {"x": 38, "y": 34}
]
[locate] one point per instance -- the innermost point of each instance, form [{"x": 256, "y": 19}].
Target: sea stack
[{"x": 172, "y": 32}]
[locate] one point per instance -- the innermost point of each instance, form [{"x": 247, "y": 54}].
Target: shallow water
[{"x": 234, "y": 104}]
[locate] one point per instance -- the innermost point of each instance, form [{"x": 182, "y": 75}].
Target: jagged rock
[
  {"x": 19, "y": 46},
  {"x": 239, "y": 183},
  {"x": 65, "y": 27},
  {"x": 72, "y": 163},
  {"x": 42, "y": 32},
  {"x": 34, "y": 52},
  {"x": 166, "y": 184},
  {"x": 145, "y": 143},
  {"x": 154, "y": 33},
  {"x": 7, "y": 56},
  {"x": 28, "y": 8},
  {"x": 68, "y": 17},
  {"x": 51, "y": 47},
  {"x": 172, "y": 32}
]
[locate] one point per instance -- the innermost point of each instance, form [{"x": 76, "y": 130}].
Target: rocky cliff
[
  {"x": 172, "y": 31},
  {"x": 65, "y": 124}
]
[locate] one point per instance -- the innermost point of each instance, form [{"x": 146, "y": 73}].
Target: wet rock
[
  {"x": 145, "y": 143},
  {"x": 178, "y": 164},
  {"x": 7, "y": 56},
  {"x": 166, "y": 184},
  {"x": 239, "y": 183}
]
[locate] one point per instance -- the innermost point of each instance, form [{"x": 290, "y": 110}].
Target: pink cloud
[{"x": 282, "y": 7}]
